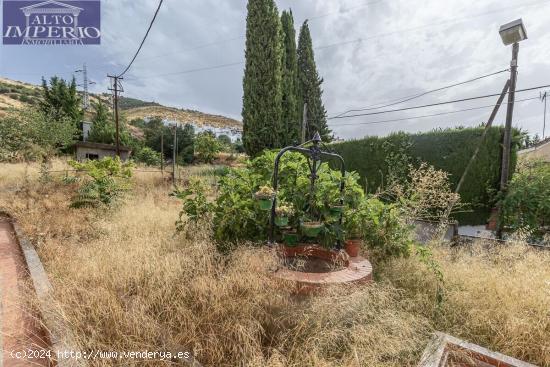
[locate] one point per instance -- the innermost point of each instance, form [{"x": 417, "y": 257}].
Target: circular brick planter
[{"x": 355, "y": 269}]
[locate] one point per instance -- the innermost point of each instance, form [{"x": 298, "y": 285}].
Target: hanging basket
[
  {"x": 290, "y": 238},
  {"x": 265, "y": 204},
  {"x": 336, "y": 210},
  {"x": 312, "y": 229},
  {"x": 281, "y": 221}
]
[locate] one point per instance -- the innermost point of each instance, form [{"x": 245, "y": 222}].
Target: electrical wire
[
  {"x": 432, "y": 115},
  {"x": 189, "y": 71},
  {"x": 143, "y": 40},
  {"x": 437, "y": 104},
  {"x": 415, "y": 96}
]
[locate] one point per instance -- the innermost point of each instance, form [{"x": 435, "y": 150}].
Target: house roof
[
  {"x": 51, "y": 2},
  {"x": 88, "y": 144}
]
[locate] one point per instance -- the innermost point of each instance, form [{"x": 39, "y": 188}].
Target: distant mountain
[{"x": 15, "y": 94}]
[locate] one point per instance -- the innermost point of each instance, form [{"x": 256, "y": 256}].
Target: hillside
[
  {"x": 15, "y": 94},
  {"x": 183, "y": 116}
]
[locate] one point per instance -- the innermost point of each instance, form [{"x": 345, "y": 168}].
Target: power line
[
  {"x": 205, "y": 45},
  {"x": 415, "y": 96},
  {"x": 430, "y": 115},
  {"x": 143, "y": 40},
  {"x": 435, "y": 104},
  {"x": 356, "y": 40},
  {"x": 189, "y": 70}
]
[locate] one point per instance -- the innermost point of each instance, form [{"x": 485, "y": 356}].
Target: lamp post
[{"x": 511, "y": 33}]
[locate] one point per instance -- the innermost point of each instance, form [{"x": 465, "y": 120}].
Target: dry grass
[{"x": 125, "y": 281}]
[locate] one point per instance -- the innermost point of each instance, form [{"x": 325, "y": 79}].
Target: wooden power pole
[
  {"x": 162, "y": 151},
  {"x": 174, "y": 153},
  {"x": 116, "y": 88}
]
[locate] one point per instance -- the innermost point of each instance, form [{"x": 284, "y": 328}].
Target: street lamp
[{"x": 511, "y": 33}]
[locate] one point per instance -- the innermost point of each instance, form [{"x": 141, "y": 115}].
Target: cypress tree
[
  {"x": 310, "y": 87},
  {"x": 291, "y": 118},
  {"x": 262, "y": 107}
]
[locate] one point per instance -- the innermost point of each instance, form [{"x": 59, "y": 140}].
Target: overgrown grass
[{"x": 124, "y": 280}]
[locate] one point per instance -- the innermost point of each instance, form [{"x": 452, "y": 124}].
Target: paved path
[{"x": 19, "y": 330}]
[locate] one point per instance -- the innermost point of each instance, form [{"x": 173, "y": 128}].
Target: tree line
[
  {"x": 55, "y": 123},
  {"x": 280, "y": 78}
]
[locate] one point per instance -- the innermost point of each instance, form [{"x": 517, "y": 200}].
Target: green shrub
[
  {"x": 107, "y": 179},
  {"x": 196, "y": 207},
  {"x": 381, "y": 160},
  {"x": 527, "y": 202},
  {"x": 32, "y": 135},
  {"x": 207, "y": 147},
  {"x": 148, "y": 156},
  {"x": 237, "y": 215},
  {"x": 385, "y": 231}
]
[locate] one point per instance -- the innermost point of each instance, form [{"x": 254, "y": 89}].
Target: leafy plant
[
  {"x": 207, "y": 147},
  {"x": 284, "y": 210},
  {"x": 526, "y": 205},
  {"x": 381, "y": 226},
  {"x": 196, "y": 206},
  {"x": 148, "y": 156},
  {"x": 108, "y": 179},
  {"x": 265, "y": 192},
  {"x": 34, "y": 135}
]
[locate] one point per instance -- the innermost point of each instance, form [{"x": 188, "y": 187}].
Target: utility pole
[
  {"x": 174, "y": 153},
  {"x": 162, "y": 151},
  {"x": 84, "y": 85},
  {"x": 544, "y": 98},
  {"x": 116, "y": 88},
  {"x": 86, "y": 96},
  {"x": 304, "y": 123},
  {"x": 507, "y": 146}
]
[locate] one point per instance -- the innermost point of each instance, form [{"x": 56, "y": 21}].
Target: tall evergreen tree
[
  {"x": 262, "y": 107},
  {"x": 103, "y": 128},
  {"x": 310, "y": 87},
  {"x": 61, "y": 99},
  {"x": 291, "y": 118}
]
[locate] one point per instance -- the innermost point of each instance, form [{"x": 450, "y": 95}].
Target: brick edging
[{"x": 60, "y": 335}]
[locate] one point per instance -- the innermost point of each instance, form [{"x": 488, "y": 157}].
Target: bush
[
  {"x": 32, "y": 135},
  {"x": 196, "y": 207},
  {"x": 385, "y": 231},
  {"x": 527, "y": 202},
  {"x": 107, "y": 179},
  {"x": 380, "y": 161},
  {"x": 207, "y": 147},
  {"x": 148, "y": 156}
]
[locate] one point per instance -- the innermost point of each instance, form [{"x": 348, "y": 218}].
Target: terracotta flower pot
[{"x": 352, "y": 247}]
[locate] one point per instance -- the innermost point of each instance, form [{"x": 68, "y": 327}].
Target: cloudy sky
[{"x": 368, "y": 52}]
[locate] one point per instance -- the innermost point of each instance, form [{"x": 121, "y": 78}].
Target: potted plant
[
  {"x": 353, "y": 224},
  {"x": 336, "y": 209},
  {"x": 311, "y": 228},
  {"x": 265, "y": 197},
  {"x": 290, "y": 237},
  {"x": 283, "y": 212}
]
